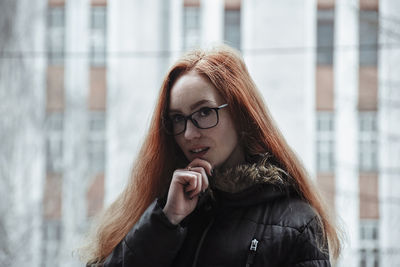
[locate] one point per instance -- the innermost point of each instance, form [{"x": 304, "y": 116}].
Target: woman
[{"x": 215, "y": 183}]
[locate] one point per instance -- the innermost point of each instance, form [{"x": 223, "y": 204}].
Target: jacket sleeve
[
  {"x": 309, "y": 249},
  {"x": 153, "y": 241}
]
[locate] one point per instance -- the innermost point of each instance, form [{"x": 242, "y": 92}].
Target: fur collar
[{"x": 243, "y": 176}]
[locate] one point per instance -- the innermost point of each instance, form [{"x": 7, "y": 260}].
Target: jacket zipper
[
  {"x": 203, "y": 236},
  {"x": 252, "y": 254}
]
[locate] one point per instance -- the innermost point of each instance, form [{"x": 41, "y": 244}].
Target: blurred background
[{"x": 79, "y": 80}]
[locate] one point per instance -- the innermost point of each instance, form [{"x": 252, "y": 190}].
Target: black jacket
[{"x": 252, "y": 217}]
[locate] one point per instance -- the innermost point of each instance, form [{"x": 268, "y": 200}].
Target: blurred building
[
  {"x": 75, "y": 145},
  {"x": 328, "y": 70}
]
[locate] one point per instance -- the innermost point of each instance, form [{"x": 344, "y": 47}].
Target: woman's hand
[{"x": 184, "y": 190}]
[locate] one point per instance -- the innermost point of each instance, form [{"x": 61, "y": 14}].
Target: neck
[{"x": 235, "y": 158}]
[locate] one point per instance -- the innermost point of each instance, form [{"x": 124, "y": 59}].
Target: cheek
[
  {"x": 227, "y": 138},
  {"x": 230, "y": 140},
  {"x": 179, "y": 142}
]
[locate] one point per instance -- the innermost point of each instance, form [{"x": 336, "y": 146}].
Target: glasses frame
[{"x": 189, "y": 117}]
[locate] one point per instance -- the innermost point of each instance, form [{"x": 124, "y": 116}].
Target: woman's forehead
[{"x": 190, "y": 90}]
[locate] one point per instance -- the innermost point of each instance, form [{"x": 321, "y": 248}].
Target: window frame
[
  {"x": 325, "y": 146},
  {"x": 98, "y": 35},
  {"x": 232, "y": 30},
  {"x": 191, "y": 27},
  {"x": 369, "y": 244},
  {"x": 54, "y": 142},
  {"x": 368, "y": 141},
  {"x": 97, "y": 142},
  {"x": 55, "y": 35},
  {"x": 325, "y": 51},
  {"x": 368, "y": 37}
]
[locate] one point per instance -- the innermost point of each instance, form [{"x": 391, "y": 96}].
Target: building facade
[{"x": 328, "y": 71}]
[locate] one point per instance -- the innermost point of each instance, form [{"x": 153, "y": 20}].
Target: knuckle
[{"x": 190, "y": 178}]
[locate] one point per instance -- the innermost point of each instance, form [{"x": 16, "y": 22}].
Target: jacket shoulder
[
  {"x": 289, "y": 212},
  {"x": 297, "y": 225},
  {"x": 295, "y": 213}
]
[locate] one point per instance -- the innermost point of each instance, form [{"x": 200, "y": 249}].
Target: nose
[{"x": 191, "y": 131}]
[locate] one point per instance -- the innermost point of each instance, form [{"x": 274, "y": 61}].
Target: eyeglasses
[{"x": 203, "y": 118}]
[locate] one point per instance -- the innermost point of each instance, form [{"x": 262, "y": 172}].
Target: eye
[
  {"x": 177, "y": 118},
  {"x": 204, "y": 112}
]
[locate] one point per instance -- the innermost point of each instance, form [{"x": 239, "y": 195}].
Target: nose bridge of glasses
[
  {"x": 191, "y": 120},
  {"x": 191, "y": 128}
]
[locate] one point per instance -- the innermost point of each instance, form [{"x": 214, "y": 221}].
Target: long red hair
[{"x": 160, "y": 156}]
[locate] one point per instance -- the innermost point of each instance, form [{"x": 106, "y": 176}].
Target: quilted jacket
[{"x": 251, "y": 217}]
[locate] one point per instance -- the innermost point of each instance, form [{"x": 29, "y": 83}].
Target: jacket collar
[
  {"x": 244, "y": 176},
  {"x": 250, "y": 183}
]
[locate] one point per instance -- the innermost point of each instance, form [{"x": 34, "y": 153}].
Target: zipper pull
[
  {"x": 253, "y": 246},
  {"x": 252, "y": 254}
]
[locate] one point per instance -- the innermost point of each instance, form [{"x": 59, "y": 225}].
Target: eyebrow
[{"x": 194, "y": 106}]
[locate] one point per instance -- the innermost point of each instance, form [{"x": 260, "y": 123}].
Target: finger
[
  {"x": 187, "y": 179},
  {"x": 190, "y": 181},
  {"x": 201, "y": 163},
  {"x": 192, "y": 185},
  {"x": 205, "y": 183},
  {"x": 198, "y": 188},
  {"x": 204, "y": 177}
]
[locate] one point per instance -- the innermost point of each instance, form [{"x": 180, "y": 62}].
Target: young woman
[{"x": 215, "y": 183}]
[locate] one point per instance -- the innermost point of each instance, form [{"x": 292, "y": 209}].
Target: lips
[{"x": 199, "y": 151}]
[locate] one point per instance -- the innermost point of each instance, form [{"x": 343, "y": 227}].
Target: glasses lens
[
  {"x": 177, "y": 124},
  {"x": 167, "y": 125},
  {"x": 205, "y": 118}
]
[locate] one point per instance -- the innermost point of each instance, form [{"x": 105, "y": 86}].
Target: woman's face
[{"x": 218, "y": 145}]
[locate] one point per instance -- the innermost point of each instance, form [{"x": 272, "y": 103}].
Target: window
[
  {"x": 54, "y": 142},
  {"x": 368, "y": 37},
  {"x": 51, "y": 244},
  {"x": 325, "y": 35},
  {"x": 369, "y": 243},
  {"x": 191, "y": 27},
  {"x": 368, "y": 147},
  {"x": 325, "y": 142},
  {"x": 96, "y": 148},
  {"x": 369, "y": 230},
  {"x": 98, "y": 32},
  {"x": 55, "y": 35},
  {"x": 232, "y": 27}
]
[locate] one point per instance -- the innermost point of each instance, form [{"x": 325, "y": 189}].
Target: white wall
[
  {"x": 75, "y": 131},
  {"x": 133, "y": 81},
  {"x": 176, "y": 30},
  {"x": 212, "y": 22},
  {"x": 389, "y": 132},
  {"x": 277, "y": 42},
  {"x": 22, "y": 114},
  {"x": 346, "y": 151}
]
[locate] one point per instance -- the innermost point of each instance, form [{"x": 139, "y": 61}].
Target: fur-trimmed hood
[
  {"x": 250, "y": 183},
  {"x": 243, "y": 176}
]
